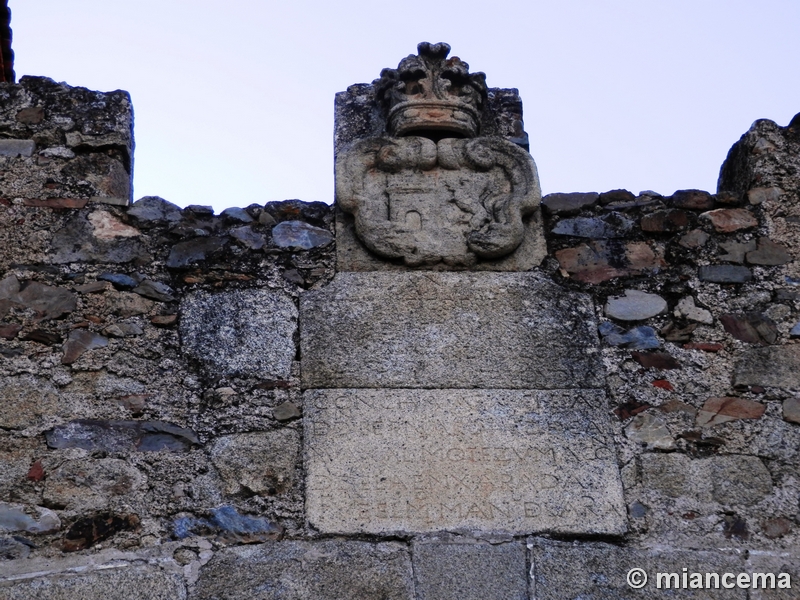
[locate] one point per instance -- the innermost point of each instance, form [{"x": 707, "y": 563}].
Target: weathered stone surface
[
  {"x": 14, "y": 518},
  {"x": 121, "y": 436},
  {"x": 617, "y": 196},
  {"x": 769, "y": 367},
  {"x": 663, "y": 221},
  {"x": 120, "y": 582},
  {"x": 248, "y": 237},
  {"x": 298, "y": 235},
  {"x": 325, "y": 570},
  {"x": 95, "y": 287},
  {"x": 189, "y": 252},
  {"x": 728, "y": 220},
  {"x": 602, "y": 260},
  {"x": 563, "y": 571},
  {"x": 696, "y": 238},
  {"x": 155, "y": 290},
  {"x": 9, "y": 332},
  {"x": 380, "y": 461},
  {"x": 776, "y": 528},
  {"x": 17, "y": 147},
  {"x": 108, "y": 227},
  {"x": 286, "y": 412},
  {"x": 316, "y": 213},
  {"x": 237, "y": 215},
  {"x": 353, "y": 255},
  {"x": 655, "y": 360},
  {"x": 123, "y": 330},
  {"x": 78, "y": 342},
  {"x": 79, "y": 484},
  {"x": 569, "y": 204},
  {"x": 612, "y": 225},
  {"x": 649, "y": 429},
  {"x": 12, "y": 549},
  {"x": 48, "y": 302},
  {"x": 31, "y": 115},
  {"x": 34, "y": 401},
  {"x": 638, "y": 338},
  {"x": 94, "y": 249},
  {"x": 67, "y": 142},
  {"x": 266, "y": 219},
  {"x": 635, "y": 306},
  {"x": 259, "y": 463},
  {"x": 725, "y": 274},
  {"x": 119, "y": 280},
  {"x": 760, "y": 195},
  {"x": 671, "y": 474},
  {"x": 127, "y": 304},
  {"x": 692, "y": 200},
  {"x": 687, "y": 309},
  {"x": 229, "y": 526},
  {"x": 240, "y": 332},
  {"x": 88, "y": 531},
  {"x": 448, "y": 330},
  {"x": 736, "y": 251},
  {"x": 437, "y": 215},
  {"x": 769, "y": 253},
  {"x": 752, "y": 327},
  {"x": 791, "y": 409},
  {"x": 42, "y": 337},
  {"x": 728, "y": 198},
  {"x": 727, "y": 408},
  {"x": 427, "y": 190},
  {"x": 470, "y": 571},
  {"x": 739, "y": 480},
  {"x": 164, "y": 320},
  {"x": 785, "y": 566},
  {"x": 152, "y": 209}
]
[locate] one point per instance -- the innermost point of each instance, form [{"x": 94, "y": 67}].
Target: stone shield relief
[{"x": 453, "y": 202}]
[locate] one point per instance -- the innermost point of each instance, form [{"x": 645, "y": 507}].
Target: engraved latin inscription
[{"x": 426, "y": 460}]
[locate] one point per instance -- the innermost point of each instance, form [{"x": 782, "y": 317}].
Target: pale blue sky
[{"x": 234, "y": 100}]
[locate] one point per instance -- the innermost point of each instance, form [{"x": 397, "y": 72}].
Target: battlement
[{"x": 440, "y": 386}]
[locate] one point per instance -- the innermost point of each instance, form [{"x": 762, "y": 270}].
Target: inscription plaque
[
  {"x": 517, "y": 461},
  {"x": 448, "y": 330}
]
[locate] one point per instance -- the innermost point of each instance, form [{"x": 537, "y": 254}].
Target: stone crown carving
[{"x": 432, "y": 93}]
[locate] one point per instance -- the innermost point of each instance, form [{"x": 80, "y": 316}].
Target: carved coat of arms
[{"x": 433, "y": 191}]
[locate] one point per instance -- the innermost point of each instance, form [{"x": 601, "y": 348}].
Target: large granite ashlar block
[
  {"x": 583, "y": 571},
  {"x": 117, "y": 582},
  {"x": 464, "y": 570},
  {"x": 517, "y": 461},
  {"x": 299, "y": 570},
  {"x": 448, "y": 330}
]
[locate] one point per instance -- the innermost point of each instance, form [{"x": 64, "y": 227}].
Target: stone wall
[{"x": 191, "y": 403}]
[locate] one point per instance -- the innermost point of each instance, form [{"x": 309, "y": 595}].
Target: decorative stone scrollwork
[{"x": 456, "y": 201}]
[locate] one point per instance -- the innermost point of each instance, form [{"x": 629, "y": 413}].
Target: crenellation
[{"x": 440, "y": 386}]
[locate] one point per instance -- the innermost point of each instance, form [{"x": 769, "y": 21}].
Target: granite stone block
[
  {"x": 121, "y": 583},
  {"x": 326, "y": 570},
  {"x": 448, "y": 330},
  {"x": 240, "y": 332},
  {"x": 382, "y": 461},
  {"x": 564, "y": 571},
  {"x": 470, "y": 571}
]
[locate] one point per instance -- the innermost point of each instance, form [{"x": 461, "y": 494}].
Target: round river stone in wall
[
  {"x": 635, "y": 306},
  {"x": 241, "y": 332}
]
